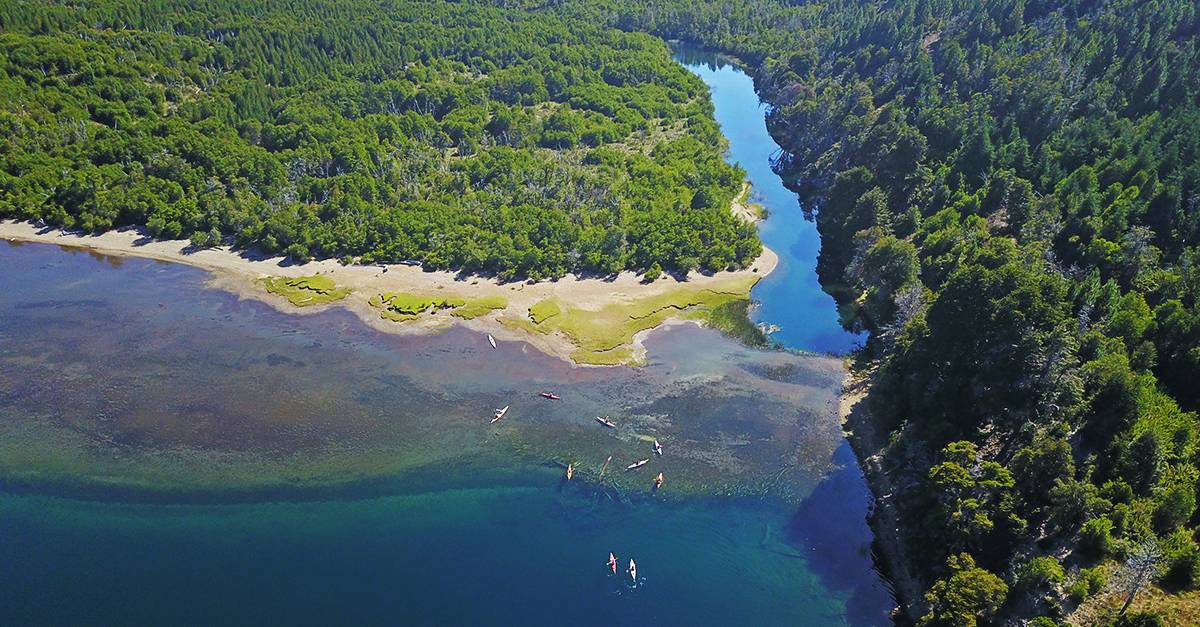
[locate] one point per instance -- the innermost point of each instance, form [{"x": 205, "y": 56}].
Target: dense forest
[
  {"x": 1008, "y": 194},
  {"x": 463, "y": 136}
]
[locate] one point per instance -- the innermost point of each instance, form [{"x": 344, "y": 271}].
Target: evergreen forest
[{"x": 461, "y": 136}]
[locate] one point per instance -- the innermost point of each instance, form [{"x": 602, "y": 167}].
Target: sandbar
[{"x": 243, "y": 273}]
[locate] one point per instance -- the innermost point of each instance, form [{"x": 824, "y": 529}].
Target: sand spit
[{"x": 242, "y": 273}]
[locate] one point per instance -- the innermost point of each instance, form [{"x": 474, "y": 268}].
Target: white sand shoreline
[{"x": 239, "y": 273}]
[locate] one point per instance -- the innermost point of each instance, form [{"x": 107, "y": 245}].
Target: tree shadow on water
[{"x": 830, "y": 528}]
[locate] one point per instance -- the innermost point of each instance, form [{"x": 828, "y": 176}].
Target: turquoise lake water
[{"x": 171, "y": 454}]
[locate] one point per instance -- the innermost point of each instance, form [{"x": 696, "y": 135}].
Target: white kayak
[
  {"x": 632, "y": 570},
  {"x": 491, "y": 340},
  {"x": 638, "y": 464},
  {"x": 499, "y": 413}
]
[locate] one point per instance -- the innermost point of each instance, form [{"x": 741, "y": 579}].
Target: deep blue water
[
  {"x": 132, "y": 399},
  {"x": 790, "y": 298}
]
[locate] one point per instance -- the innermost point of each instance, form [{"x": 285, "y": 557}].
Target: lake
[{"x": 172, "y": 454}]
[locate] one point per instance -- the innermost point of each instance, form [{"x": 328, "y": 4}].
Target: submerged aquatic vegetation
[
  {"x": 306, "y": 291},
  {"x": 733, "y": 319}
]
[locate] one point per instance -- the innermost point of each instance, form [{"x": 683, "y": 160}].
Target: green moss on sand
[
  {"x": 401, "y": 306},
  {"x": 605, "y": 336},
  {"x": 306, "y": 290},
  {"x": 480, "y": 306},
  {"x": 621, "y": 355},
  {"x": 544, "y": 310}
]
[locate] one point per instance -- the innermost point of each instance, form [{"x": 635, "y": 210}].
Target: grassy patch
[
  {"x": 306, "y": 290},
  {"x": 401, "y": 306},
  {"x": 604, "y": 336},
  {"x": 544, "y": 310},
  {"x": 480, "y": 306},
  {"x": 615, "y": 357}
]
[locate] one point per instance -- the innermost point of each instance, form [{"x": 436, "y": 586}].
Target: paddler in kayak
[
  {"x": 632, "y": 570},
  {"x": 657, "y": 448},
  {"x": 612, "y": 562},
  {"x": 570, "y": 471},
  {"x": 658, "y": 481}
]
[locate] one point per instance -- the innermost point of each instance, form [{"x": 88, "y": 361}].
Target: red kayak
[
  {"x": 612, "y": 562},
  {"x": 550, "y": 395}
]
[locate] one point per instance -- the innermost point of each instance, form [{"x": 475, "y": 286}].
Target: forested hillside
[
  {"x": 1008, "y": 194},
  {"x": 466, "y": 137}
]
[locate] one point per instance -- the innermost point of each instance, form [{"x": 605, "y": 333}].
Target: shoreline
[
  {"x": 868, "y": 444},
  {"x": 241, "y": 273}
]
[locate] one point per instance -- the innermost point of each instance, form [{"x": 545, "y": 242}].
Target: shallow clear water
[{"x": 171, "y": 454}]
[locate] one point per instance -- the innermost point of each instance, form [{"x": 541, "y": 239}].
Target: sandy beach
[{"x": 240, "y": 272}]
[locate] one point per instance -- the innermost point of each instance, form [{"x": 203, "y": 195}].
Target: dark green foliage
[
  {"x": 1095, "y": 537},
  {"x": 454, "y": 134},
  {"x": 1088, "y": 582},
  {"x": 1037, "y": 466},
  {"x": 966, "y": 596},
  {"x": 1039, "y": 573},
  {"x": 972, "y": 501}
]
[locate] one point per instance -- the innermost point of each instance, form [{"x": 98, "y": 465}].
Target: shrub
[
  {"x": 202, "y": 239},
  {"x": 1096, "y": 537},
  {"x": 297, "y": 252},
  {"x": 1181, "y": 558},
  {"x": 1175, "y": 507},
  {"x": 1089, "y": 581},
  {"x": 1040, "y": 572},
  {"x": 652, "y": 273},
  {"x": 966, "y": 596}
]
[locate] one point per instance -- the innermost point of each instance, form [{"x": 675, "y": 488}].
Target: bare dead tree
[{"x": 1142, "y": 564}]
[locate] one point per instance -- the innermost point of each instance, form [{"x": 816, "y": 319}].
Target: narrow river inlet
[{"x": 170, "y": 453}]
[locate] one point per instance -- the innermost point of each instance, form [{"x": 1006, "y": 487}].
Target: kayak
[
  {"x": 638, "y": 464},
  {"x": 491, "y": 340},
  {"x": 657, "y": 448},
  {"x": 570, "y": 471},
  {"x": 550, "y": 395},
  {"x": 632, "y": 570},
  {"x": 606, "y": 422},
  {"x": 499, "y": 414},
  {"x": 612, "y": 562},
  {"x": 658, "y": 481}
]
